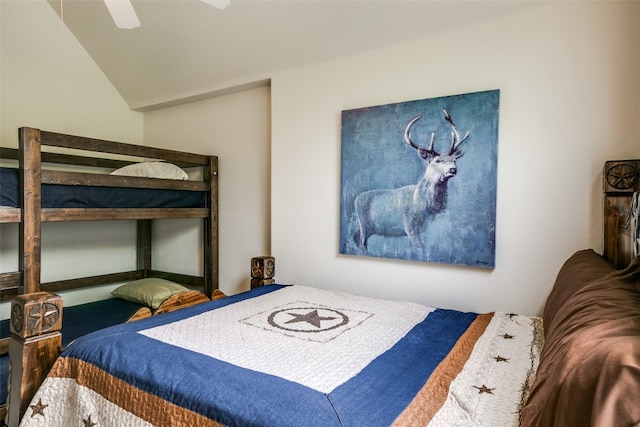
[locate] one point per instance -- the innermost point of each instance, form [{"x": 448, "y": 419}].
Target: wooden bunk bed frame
[{"x": 25, "y": 284}]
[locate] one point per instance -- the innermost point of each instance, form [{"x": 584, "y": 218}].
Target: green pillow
[{"x": 150, "y": 292}]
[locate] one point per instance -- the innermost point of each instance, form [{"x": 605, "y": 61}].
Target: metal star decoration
[{"x": 43, "y": 317}]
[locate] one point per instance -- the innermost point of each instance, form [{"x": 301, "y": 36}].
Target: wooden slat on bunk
[
  {"x": 104, "y": 279},
  {"x": 14, "y": 215},
  {"x": 69, "y": 159},
  {"x": 10, "y": 292},
  {"x": 84, "y": 282},
  {"x": 8, "y": 153},
  {"x": 91, "y": 144},
  {"x": 96, "y": 180},
  {"x": 9, "y": 281},
  {"x": 86, "y": 214},
  {"x": 10, "y": 215},
  {"x": 183, "y": 279},
  {"x": 127, "y": 276}
]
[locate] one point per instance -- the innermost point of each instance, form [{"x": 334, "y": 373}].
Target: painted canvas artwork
[{"x": 418, "y": 180}]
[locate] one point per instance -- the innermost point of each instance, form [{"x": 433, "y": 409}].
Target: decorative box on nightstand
[{"x": 263, "y": 269}]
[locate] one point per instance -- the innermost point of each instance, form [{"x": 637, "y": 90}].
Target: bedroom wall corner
[{"x": 236, "y": 128}]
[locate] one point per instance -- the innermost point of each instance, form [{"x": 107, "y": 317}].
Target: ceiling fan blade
[
  {"x": 123, "y": 14},
  {"x": 220, "y": 4}
]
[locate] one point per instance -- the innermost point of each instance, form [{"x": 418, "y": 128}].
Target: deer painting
[{"x": 407, "y": 210}]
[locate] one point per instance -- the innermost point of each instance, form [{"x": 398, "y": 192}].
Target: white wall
[
  {"x": 236, "y": 128},
  {"x": 568, "y": 75},
  {"x": 48, "y": 81}
]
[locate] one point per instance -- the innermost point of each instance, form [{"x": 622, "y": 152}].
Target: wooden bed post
[
  {"x": 621, "y": 178},
  {"x": 35, "y": 343},
  {"x": 30, "y": 195},
  {"x": 211, "y": 231},
  {"x": 263, "y": 268}
]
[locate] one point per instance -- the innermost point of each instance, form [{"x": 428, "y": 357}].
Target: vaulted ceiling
[{"x": 186, "y": 49}]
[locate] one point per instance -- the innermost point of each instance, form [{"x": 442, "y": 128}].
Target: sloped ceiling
[{"x": 186, "y": 49}]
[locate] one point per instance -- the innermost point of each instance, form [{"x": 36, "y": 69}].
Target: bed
[
  {"x": 316, "y": 358},
  {"x": 55, "y": 177},
  {"x": 295, "y": 355}
]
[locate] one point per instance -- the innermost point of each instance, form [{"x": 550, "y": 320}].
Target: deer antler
[
  {"x": 407, "y": 138},
  {"x": 456, "y": 140}
]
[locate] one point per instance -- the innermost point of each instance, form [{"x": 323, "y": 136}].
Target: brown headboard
[{"x": 621, "y": 178}]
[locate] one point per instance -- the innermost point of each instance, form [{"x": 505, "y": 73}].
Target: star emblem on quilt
[
  {"x": 501, "y": 359},
  {"x": 308, "y": 319},
  {"x": 38, "y": 408},
  {"x": 484, "y": 389},
  {"x": 88, "y": 422},
  {"x": 313, "y": 318}
]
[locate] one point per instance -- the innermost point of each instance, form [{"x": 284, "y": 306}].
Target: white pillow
[{"x": 152, "y": 170}]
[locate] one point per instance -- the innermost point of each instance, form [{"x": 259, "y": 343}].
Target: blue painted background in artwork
[{"x": 375, "y": 156}]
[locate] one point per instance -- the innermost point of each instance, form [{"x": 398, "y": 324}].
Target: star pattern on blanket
[
  {"x": 313, "y": 318},
  {"x": 88, "y": 422},
  {"x": 508, "y": 337},
  {"x": 484, "y": 389},
  {"x": 38, "y": 408},
  {"x": 308, "y": 319},
  {"x": 501, "y": 359}
]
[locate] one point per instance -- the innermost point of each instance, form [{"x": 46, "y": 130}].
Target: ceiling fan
[{"x": 125, "y": 16}]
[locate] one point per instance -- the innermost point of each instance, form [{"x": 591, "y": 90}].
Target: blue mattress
[
  {"x": 75, "y": 196},
  {"x": 4, "y": 377}
]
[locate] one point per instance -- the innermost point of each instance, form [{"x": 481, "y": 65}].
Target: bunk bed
[
  {"x": 103, "y": 181},
  {"x": 295, "y": 355}
]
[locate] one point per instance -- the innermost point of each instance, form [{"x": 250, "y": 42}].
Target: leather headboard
[{"x": 589, "y": 372}]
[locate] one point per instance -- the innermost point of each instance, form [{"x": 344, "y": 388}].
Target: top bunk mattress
[{"x": 76, "y": 196}]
